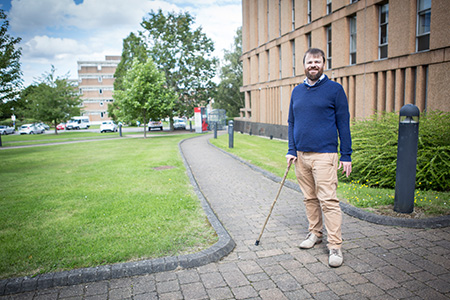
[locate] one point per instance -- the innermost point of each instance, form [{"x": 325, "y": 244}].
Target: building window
[
  {"x": 268, "y": 65},
  {"x": 353, "y": 40},
  {"x": 268, "y": 21},
  {"x": 279, "y": 62},
  {"x": 328, "y": 29},
  {"x": 293, "y": 15},
  {"x": 383, "y": 39},
  {"x": 353, "y": 1},
  {"x": 309, "y": 11},
  {"x": 100, "y": 91},
  {"x": 329, "y": 10},
  {"x": 100, "y": 79},
  {"x": 259, "y": 67},
  {"x": 293, "y": 57},
  {"x": 423, "y": 24},
  {"x": 308, "y": 40},
  {"x": 279, "y": 16}
]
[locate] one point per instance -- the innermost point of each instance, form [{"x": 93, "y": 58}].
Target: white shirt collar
[{"x": 305, "y": 81}]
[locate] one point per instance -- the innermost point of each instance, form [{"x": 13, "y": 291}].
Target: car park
[
  {"x": 4, "y": 130},
  {"x": 179, "y": 123},
  {"x": 108, "y": 126},
  {"x": 155, "y": 125},
  {"x": 30, "y": 129}
]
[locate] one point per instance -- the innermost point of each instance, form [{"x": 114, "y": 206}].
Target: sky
[{"x": 62, "y": 32}]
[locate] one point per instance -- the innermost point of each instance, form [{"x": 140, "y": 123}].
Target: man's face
[{"x": 313, "y": 67}]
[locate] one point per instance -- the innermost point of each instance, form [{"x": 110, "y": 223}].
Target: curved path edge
[
  {"x": 436, "y": 222},
  {"x": 220, "y": 249}
]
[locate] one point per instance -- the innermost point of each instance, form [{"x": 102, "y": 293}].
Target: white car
[
  {"x": 179, "y": 123},
  {"x": 30, "y": 129},
  {"x": 4, "y": 130},
  {"x": 78, "y": 123},
  {"x": 155, "y": 125},
  {"x": 108, "y": 126}
]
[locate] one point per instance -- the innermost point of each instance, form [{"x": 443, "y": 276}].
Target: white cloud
[
  {"x": 52, "y": 48},
  {"x": 59, "y": 32}
]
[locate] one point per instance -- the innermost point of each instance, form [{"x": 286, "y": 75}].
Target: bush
[{"x": 375, "y": 151}]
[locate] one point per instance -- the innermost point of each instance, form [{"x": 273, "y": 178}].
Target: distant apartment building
[
  {"x": 384, "y": 53},
  {"x": 96, "y": 85}
]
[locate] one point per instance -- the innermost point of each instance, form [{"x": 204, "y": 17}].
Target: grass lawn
[
  {"x": 88, "y": 204},
  {"x": 270, "y": 155}
]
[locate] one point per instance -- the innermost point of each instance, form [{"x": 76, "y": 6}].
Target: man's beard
[{"x": 314, "y": 77}]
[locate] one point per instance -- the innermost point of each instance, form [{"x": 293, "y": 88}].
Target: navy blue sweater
[{"x": 317, "y": 116}]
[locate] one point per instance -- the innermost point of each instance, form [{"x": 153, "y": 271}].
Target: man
[{"x": 318, "y": 115}]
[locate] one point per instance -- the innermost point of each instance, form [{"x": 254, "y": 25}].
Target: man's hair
[{"x": 314, "y": 52}]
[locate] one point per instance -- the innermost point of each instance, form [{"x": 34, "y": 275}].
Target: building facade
[
  {"x": 96, "y": 85},
  {"x": 384, "y": 53}
]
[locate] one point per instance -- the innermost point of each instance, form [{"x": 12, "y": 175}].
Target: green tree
[
  {"x": 10, "y": 73},
  {"x": 133, "y": 48},
  {"x": 146, "y": 96},
  {"x": 228, "y": 95},
  {"x": 53, "y": 99},
  {"x": 184, "y": 55}
]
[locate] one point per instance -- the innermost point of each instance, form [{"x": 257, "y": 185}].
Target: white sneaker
[
  {"x": 310, "y": 240},
  {"x": 335, "y": 259}
]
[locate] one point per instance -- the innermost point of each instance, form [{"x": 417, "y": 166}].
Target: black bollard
[
  {"x": 405, "y": 181},
  {"x": 230, "y": 134},
  {"x": 215, "y": 130},
  {"x": 120, "y": 129}
]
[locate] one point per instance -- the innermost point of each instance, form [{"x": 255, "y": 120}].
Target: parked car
[
  {"x": 179, "y": 123},
  {"x": 108, "y": 126},
  {"x": 30, "y": 129},
  {"x": 78, "y": 123},
  {"x": 45, "y": 126},
  {"x": 4, "y": 130},
  {"x": 61, "y": 126},
  {"x": 39, "y": 127},
  {"x": 155, "y": 125}
]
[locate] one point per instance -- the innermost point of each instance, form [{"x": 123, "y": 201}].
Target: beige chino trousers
[{"x": 317, "y": 176}]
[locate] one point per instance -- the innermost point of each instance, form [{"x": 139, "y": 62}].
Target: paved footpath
[{"x": 380, "y": 262}]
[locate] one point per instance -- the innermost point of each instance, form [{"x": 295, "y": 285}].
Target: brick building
[
  {"x": 96, "y": 85},
  {"x": 384, "y": 53}
]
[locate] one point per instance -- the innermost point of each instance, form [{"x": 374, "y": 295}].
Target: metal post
[
  {"x": 120, "y": 129},
  {"x": 405, "y": 181},
  {"x": 190, "y": 125},
  {"x": 230, "y": 134},
  {"x": 215, "y": 130}
]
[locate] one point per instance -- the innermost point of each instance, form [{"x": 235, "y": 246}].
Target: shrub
[{"x": 375, "y": 151}]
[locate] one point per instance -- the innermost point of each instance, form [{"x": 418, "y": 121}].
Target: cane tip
[{"x": 257, "y": 243}]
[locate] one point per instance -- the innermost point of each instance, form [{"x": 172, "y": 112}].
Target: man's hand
[
  {"x": 346, "y": 167},
  {"x": 290, "y": 158}
]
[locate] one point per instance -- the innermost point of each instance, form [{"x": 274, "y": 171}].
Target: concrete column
[
  {"x": 410, "y": 84},
  {"x": 399, "y": 89},
  {"x": 421, "y": 87},
  {"x": 390, "y": 91}
]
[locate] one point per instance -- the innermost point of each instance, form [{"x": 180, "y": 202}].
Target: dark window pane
[
  {"x": 383, "y": 51},
  {"x": 423, "y": 42}
]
